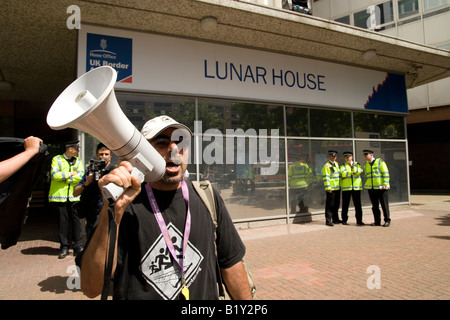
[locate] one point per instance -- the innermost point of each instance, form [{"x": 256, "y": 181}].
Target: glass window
[
  {"x": 431, "y": 4},
  {"x": 223, "y": 114},
  {"x": 242, "y": 157},
  {"x": 318, "y": 157},
  {"x": 445, "y": 46},
  {"x": 237, "y": 152},
  {"x": 345, "y": 19},
  {"x": 140, "y": 108},
  {"x": 377, "y": 126},
  {"x": 360, "y": 19},
  {"x": 407, "y": 8},
  {"x": 300, "y": 177},
  {"x": 383, "y": 13},
  {"x": 394, "y": 154},
  {"x": 246, "y": 189},
  {"x": 329, "y": 123},
  {"x": 297, "y": 122}
]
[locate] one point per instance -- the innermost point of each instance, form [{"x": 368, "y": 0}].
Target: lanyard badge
[{"x": 165, "y": 232}]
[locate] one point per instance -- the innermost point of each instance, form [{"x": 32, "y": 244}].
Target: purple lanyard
[{"x": 163, "y": 226}]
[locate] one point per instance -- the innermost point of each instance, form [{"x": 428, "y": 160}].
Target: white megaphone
[{"x": 89, "y": 104}]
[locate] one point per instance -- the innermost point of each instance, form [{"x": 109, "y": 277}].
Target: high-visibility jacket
[
  {"x": 62, "y": 183},
  {"x": 331, "y": 176},
  {"x": 377, "y": 174},
  {"x": 299, "y": 175},
  {"x": 351, "y": 177}
]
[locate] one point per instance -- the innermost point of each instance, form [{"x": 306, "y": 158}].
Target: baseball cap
[{"x": 155, "y": 126}]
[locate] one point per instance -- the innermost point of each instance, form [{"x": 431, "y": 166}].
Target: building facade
[
  {"x": 255, "y": 113},
  {"x": 420, "y": 21},
  {"x": 261, "y": 86}
]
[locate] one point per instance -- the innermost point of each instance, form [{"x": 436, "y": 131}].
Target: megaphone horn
[{"x": 89, "y": 104}]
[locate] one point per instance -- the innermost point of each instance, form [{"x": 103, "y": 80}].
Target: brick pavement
[{"x": 288, "y": 262}]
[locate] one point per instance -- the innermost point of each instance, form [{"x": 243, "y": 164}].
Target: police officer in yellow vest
[
  {"x": 299, "y": 175},
  {"x": 331, "y": 181},
  {"x": 351, "y": 186},
  {"x": 66, "y": 171},
  {"x": 377, "y": 183}
]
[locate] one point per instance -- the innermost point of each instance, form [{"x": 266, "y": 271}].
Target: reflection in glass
[
  {"x": 139, "y": 108},
  {"x": 377, "y": 126},
  {"x": 297, "y": 122},
  {"x": 247, "y": 192},
  {"x": 223, "y": 114},
  {"x": 300, "y": 176},
  {"x": 227, "y": 156},
  {"x": 329, "y": 123},
  {"x": 394, "y": 154},
  {"x": 407, "y": 8}
]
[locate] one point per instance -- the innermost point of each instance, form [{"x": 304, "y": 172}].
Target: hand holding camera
[{"x": 96, "y": 168}]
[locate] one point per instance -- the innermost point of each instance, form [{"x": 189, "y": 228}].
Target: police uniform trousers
[
  {"x": 298, "y": 197},
  {"x": 346, "y": 196},
  {"x": 66, "y": 216},
  {"x": 379, "y": 197},
  {"x": 332, "y": 206}
]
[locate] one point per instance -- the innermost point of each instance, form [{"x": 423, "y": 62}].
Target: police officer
[
  {"x": 331, "y": 181},
  {"x": 351, "y": 186},
  {"x": 299, "y": 174},
  {"x": 66, "y": 171},
  {"x": 377, "y": 183}
]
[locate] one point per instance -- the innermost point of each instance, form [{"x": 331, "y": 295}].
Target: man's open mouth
[{"x": 172, "y": 166}]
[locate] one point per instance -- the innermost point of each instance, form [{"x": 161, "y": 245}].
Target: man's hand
[{"x": 122, "y": 177}]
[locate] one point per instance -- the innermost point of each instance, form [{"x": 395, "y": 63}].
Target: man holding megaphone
[{"x": 165, "y": 236}]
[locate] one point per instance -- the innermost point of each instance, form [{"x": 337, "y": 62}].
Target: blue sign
[
  {"x": 116, "y": 52},
  {"x": 390, "y": 95}
]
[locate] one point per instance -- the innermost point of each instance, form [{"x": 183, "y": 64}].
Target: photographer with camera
[{"x": 91, "y": 201}]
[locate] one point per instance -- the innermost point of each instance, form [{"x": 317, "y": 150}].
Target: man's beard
[
  {"x": 173, "y": 178},
  {"x": 169, "y": 179}
]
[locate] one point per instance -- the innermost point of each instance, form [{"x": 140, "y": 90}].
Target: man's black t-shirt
[{"x": 145, "y": 267}]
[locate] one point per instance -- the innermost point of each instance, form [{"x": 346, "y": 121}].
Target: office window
[
  {"x": 394, "y": 154},
  {"x": 345, "y": 19},
  {"x": 297, "y": 122},
  {"x": 445, "y": 46},
  {"x": 329, "y": 123},
  {"x": 407, "y": 8},
  {"x": 431, "y": 4},
  {"x": 383, "y": 14},
  {"x": 378, "y": 126}
]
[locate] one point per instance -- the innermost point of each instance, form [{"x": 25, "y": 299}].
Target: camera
[{"x": 97, "y": 168}]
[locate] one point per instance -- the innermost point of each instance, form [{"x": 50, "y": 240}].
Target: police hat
[
  {"x": 348, "y": 154},
  {"x": 74, "y": 143},
  {"x": 332, "y": 152},
  {"x": 366, "y": 151}
]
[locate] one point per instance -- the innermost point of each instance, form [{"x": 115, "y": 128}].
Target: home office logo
[{"x": 116, "y": 52}]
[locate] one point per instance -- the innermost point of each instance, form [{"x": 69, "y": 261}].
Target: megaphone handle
[{"x": 112, "y": 191}]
